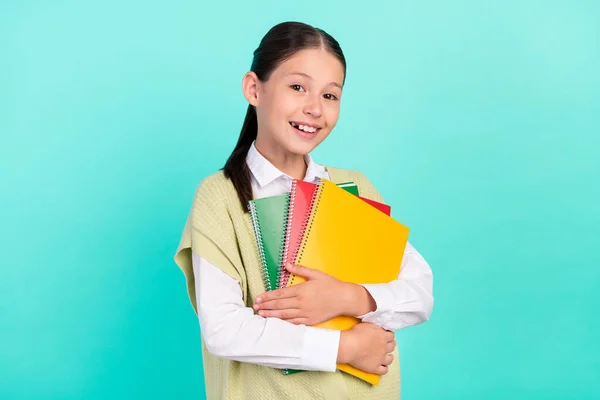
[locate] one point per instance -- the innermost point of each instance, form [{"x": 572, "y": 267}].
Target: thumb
[{"x": 305, "y": 272}]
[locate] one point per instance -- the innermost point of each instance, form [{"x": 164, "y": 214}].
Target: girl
[{"x": 294, "y": 89}]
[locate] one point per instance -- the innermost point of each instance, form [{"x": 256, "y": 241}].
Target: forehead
[{"x": 319, "y": 64}]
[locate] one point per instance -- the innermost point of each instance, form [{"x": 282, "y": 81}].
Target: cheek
[
  {"x": 281, "y": 107},
  {"x": 333, "y": 114},
  {"x": 288, "y": 106}
]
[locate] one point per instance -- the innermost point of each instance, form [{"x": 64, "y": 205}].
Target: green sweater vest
[{"x": 220, "y": 230}]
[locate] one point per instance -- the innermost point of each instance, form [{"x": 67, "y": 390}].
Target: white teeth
[{"x": 305, "y": 128}]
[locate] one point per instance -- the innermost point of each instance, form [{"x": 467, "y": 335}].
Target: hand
[
  {"x": 321, "y": 298},
  {"x": 367, "y": 347}
]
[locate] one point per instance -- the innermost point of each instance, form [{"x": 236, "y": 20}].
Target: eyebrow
[{"x": 311, "y": 78}]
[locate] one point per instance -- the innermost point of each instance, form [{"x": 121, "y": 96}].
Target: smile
[{"x": 305, "y": 128}]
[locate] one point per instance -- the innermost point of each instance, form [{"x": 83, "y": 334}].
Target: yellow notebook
[{"x": 354, "y": 242}]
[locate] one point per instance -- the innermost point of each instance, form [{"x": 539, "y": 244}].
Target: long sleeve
[
  {"x": 231, "y": 330},
  {"x": 404, "y": 302}
]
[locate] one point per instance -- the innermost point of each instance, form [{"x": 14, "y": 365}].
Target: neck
[{"x": 291, "y": 164}]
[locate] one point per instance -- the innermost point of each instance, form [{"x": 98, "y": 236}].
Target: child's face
[{"x": 303, "y": 92}]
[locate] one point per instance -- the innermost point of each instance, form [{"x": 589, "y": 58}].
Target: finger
[
  {"x": 390, "y": 337},
  {"x": 390, "y": 346},
  {"x": 388, "y": 359},
  {"x": 381, "y": 370},
  {"x": 281, "y": 314},
  {"x": 278, "y": 304},
  {"x": 305, "y": 272},
  {"x": 276, "y": 294}
]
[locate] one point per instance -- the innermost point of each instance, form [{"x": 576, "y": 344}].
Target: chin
[{"x": 302, "y": 147}]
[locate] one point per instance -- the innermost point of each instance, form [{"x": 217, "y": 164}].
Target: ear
[{"x": 250, "y": 84}]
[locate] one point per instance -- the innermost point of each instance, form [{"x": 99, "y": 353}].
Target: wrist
[
  {"x": 358, "y": 300},
  {"x": 346, "y": 347}
]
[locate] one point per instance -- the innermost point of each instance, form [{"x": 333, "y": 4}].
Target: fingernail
[{"x": 258, "y": 299}]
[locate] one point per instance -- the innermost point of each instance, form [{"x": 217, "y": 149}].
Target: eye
[
  {"x": 330, "y": 96},
  {"x": 297, "y": 88}
]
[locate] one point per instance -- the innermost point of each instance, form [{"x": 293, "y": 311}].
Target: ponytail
[{"x": 236, "y": 168}]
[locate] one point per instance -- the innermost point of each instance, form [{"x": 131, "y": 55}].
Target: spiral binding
[
  {"x": 259, "y": 241},
  {"x": 283, "y": 251},
  {"x": 307, "y": 224},
  {"x": 282, "y": 272}
]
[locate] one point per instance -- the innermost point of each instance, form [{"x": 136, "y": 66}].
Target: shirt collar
[
  {"x": 313, "y": 170},
  {"x": 265, "y": 172}
]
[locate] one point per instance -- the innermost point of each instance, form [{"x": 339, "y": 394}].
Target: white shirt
[{"x": 233, "y": 331}]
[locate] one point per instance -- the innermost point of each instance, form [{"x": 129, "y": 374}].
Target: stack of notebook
[{"x": 333, "y": 229}]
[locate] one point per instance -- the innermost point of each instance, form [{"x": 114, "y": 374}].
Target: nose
[{"x": 313, "y": 106}]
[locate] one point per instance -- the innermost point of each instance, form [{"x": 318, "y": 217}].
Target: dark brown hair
[{"x": 279, "y": 44}]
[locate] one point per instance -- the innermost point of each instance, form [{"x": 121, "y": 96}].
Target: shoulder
[
  {"x": 213, "y": 181},
  {"x": 213, "y": 193},
  {"x": 214, "y": 185}
]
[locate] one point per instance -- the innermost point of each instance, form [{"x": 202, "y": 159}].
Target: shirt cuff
[
  {"x": 320, "y": 349},
  {"x": 384, "y": 300}
]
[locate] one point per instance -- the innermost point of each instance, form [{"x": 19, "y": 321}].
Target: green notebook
[
  {"x": 269, "y": 220},
  {"x": 349, "y": 187}
]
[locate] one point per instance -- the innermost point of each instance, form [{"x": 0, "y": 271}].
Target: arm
[
  {"x": 404, "y": 302},
  {"x": 231, "y": 330}
]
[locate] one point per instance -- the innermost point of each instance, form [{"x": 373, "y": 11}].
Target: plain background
[{"x": 478, "y": 121}]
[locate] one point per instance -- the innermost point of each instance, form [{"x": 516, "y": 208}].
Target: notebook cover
[
  {"x": 269, "y": 219},
  {"x": 353, "y": 241}
]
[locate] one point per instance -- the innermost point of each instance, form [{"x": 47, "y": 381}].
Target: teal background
[{"x": 478, "y": 122}]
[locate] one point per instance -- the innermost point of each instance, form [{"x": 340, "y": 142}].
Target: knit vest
[{"x": 220, "y": 230}]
